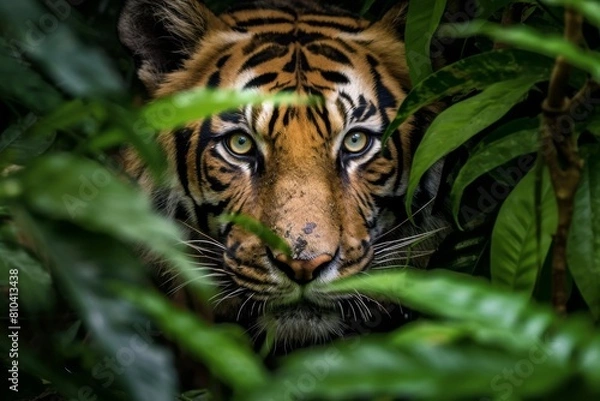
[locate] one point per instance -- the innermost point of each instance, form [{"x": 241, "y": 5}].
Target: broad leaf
[
  {"x": 86, "y": 265},
  {"x": 527, "y": 38},
  {"x": 476, "y": 72},
  {"x": 224, "y": 349},
  {"x": 460, "y": 122},
  {"x": 422, "y": 20},
  {"x": 516, "y": 255},
  {"x": 86, "y": 193},
  {"x": 583, "y": 250},
  {"x": 516, "y": 138},
  {"x": 413, "y": 367},
  {"x": 18, "y": 146},
  {"x": 33, "y": 283},
  {"x": 23, "y": 85},
  {"x": 78, "y": 68}
]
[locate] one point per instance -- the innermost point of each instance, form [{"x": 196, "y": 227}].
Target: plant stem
[{"x": 559, "y": 151}]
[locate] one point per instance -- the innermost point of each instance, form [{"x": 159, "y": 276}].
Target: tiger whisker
[
  {"x": 242, "y": 307},
  {"x": 405, "y": 220},
  {"x": 410, "y": 238}
]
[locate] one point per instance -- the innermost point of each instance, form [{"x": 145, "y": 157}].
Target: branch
[{"x": 559, "y": 151}]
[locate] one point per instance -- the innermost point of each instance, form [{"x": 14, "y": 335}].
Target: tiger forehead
[
  {"x": 274, "y": 50},
  {"x": 315, "y": 125}
]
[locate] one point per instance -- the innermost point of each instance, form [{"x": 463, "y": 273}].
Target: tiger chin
[{"x": 319, "y": 176}]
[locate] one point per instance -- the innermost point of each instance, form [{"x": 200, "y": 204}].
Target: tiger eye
[
  {"x": 355, "y": 142},
  {"x": 240, "y": 144}
]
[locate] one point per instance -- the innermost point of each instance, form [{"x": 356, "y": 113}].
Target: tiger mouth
[{"x": 303, "y": 323}]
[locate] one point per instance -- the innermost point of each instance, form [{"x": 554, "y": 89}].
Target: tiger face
[{"x": 317, "y": 175}]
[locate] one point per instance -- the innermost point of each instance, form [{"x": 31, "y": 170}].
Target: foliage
[{"x": 72, "y": 229}]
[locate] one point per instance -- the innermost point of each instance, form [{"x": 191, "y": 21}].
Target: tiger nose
[{"x": 300, "y": 270}]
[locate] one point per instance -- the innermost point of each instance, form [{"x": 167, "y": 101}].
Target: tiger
[{"x": 317, "y": 175}]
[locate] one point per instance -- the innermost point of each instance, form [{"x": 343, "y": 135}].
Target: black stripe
[
  {"x": 261, "y": 80},
  {"x": 265, "y": 55},
  {"x": 221, "y": 62},
  {"x": 329, "y": 52},
  {"x": 263, "y": 21},
  {"x": 273, "y": 121},
  {"x": 336, "y": 25},
  {"x": 214, "y": 183},
  {"x": 214, "y": 80},
  {"x": 335, "y": 77},
  {"x": 182, "y": 146}
]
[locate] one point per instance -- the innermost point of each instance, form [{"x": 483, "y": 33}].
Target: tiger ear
[
  {"x": 395, "y": 18},
  {"x": 163, "y": 33}
]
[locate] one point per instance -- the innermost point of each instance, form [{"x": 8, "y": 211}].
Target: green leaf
[
  {"x": 442, "y": 293},
  {"x": 486, "y": 8},
  {"x": 594, "y": 125},
  {"x": 86, "y": 193},
  {"x": 80, "y": 69},
  {"x": 226, "y": 352},
  {"x": 475, "y": 72},
  {"x": 24, "y": 85},
  {"x": 422, "y": 20},
  {"x": 268, "y": 236},
  {"x": 32, "y": 283},
  {"x": 180, "y": 108},
  {"x": 367, "y": 4},
  {"x": 527, "y": 38},
  {"x": 415, "y": 367},
  {"x": 19, "y": 146},
  {"x": 460, "y": 122},
  {"x": 590, "y": 9},
  {"x": 583, "y": 249},
  {"x": 489, "y": 327},
  {"x": 516, "y": 255},
  {"x": 515, "y": 139},
  {"x": 85, "y": 265}
]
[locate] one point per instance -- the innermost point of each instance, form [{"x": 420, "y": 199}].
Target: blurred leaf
[
  {"x": 67, "y": 115},
  {"x": 422, "y": 20},
  {"x": 529, "y": 39},
  {"x": 583, "y": 249},
  {"x": 268, "y": 236},
  {"x": 516, "y": 138},
  {"x": 86, "y": 193},
  {"x": 195, "y": 104},
  {"x": 486, "y": 8},
  {"x": 23, "y": 85},
  {"x": 571, "y": 343},
  {"x": 367, "y": 4},
  {"x": 18, "y": 146},
  {"x": 414, "y": 368},
  {"x": 460, "y": 122},
  {"x": 594, "y": 125},
  {"x": 132, "y": 130},
  {"x": 85, "y": 267},
  {"x": 33, "y": 283},
  {"x": 475, "y": 72},
  {"x": 589, "y": 8},
  {"x": 516, "y": 254},
  {"x": 425, "y": 360},
  {"x": 226, "y": 352},
  {"x": 81, "y": 69}
]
